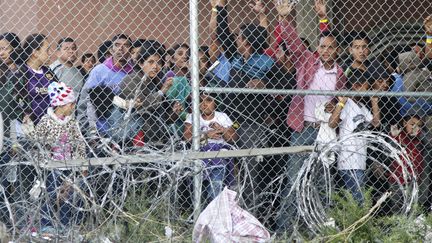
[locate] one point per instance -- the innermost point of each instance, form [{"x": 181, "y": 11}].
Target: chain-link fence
[{"x": 123, "y": 120}]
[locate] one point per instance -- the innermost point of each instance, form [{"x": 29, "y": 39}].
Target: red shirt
[{"x": 413, "y": 149}]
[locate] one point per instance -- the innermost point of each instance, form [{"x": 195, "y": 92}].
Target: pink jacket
[{"x": 306, "y": 64}]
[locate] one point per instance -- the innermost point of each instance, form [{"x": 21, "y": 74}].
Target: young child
[
  {"x": 349, "y": 114},
  {"x": 216, "y": 131},
  {"x": 326, "y": 134},
  {"x": 409, "y": 138},
  {"x": 58, "y": 132}
]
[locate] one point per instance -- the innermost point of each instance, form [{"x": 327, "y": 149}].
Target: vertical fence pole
[{"x": 193, "y": 14}]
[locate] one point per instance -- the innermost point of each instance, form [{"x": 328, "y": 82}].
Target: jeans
[
  {"x": 54, "y": 186},
  {"x": 252, "y": 168},
  {"x": 215, "y": 178},
  {"x": 353, "y": 181},
  {"x": 288, "y": 208}
]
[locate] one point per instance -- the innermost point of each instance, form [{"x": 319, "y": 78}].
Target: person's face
[
  {"x": 327, "y": 49},
  {"x": 419, "y": 51},
  {"x": 381, "y": 85},
  {"x": 428, "y": 51},
  {"x": 68, "y": 52},
  {"x": 121, "y": 50},
  {"x": 5, "y": 51},
  {"x": 181, "y": 59},
  {"x": 43, "y": 53},
  {"x": 89, "y": 63},
  {"x": 413, "y": 126},
  {"x": 359, "y": 50},
  {"x": 207, "y": 105},
  {"x": 152, "y": 65},
  {"x": 361, "y": 87},
  {"x": 134, "y": 53},
  {"x": 68, "y": 109},
  {"x": 241, "y": 43},
  {"x": 203, "y": 63}
]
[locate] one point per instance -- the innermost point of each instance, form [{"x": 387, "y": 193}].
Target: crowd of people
[{"x": 140, "y": 93}]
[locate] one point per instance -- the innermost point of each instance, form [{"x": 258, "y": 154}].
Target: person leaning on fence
[
  {"x": 390, "y": 108},
  {"x": 64, "y": 67},
  {"x": 180, "y": 90},
  {"x": 216, "y": 133},
  {"x": 381, "y": 81},
  {"x": 313, "y": 73},
  {"x": 108, "y": 76},
  {"x": 281, "y": 76},
  {"x": 409, "y": 137},
  {"x": 245, "y": 65},
  {"x": 145, "y": 88},
  {"x": 351, "y": 114},
  {"x": 58, "y": 132}
]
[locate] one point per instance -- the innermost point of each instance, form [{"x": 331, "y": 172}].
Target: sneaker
[{"x": 48, "y": 232}]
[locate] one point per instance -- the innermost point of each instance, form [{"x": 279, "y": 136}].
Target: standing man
[
  {"x": 313, "y": 73},
  {"x": 64, "y": 67},
  {"x": 107, "y": 77}
]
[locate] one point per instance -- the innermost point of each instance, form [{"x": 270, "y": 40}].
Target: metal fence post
[{"x": 193, "y": 14}]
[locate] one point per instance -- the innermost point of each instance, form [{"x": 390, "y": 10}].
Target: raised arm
[
  {"x": 376, "y": 112},
  {"x": 259, "y": 8},
  {"x": 288, "y": 33},
  {"x": 214, "y": 50},
  {"x": 427, "y": 24},
  {"x": 321, "y": 11},
  {"x": 223, "y": 33}
]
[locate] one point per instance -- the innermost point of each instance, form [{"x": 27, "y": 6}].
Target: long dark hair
[
  {"x": 14, "y": 41},
  {"x": 32, "y": 43},
  {"x": 145, "y": 52}
]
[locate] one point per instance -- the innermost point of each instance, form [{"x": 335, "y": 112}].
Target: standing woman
[
  {"x": 33, "y": 79},
  {"x": 10, "y": 51}
]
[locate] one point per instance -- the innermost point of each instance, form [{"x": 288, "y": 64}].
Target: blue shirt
[
  {"x": 257, "y": 66},
  {"x": 222, "y": 71},
  {"x": 101, "y": 75},
  {"x": 398, "y": 86}
]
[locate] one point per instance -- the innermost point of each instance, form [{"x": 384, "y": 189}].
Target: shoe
[{"x": 48, "y": 232}]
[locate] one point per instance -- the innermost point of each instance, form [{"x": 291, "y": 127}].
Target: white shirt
[
  {"x": 219, "y": 117},
  {"x": 353, "y": 152},
  {"x": 323, "y": 80},
  {"x": 325, "y": 133}
]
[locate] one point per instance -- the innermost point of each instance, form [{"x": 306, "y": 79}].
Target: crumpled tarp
[{"x": 224, "y": 221}]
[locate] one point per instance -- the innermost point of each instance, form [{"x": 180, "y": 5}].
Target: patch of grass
[
  {"x": 146, "y": 221},
  {"x": 395, "y": 228}
]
